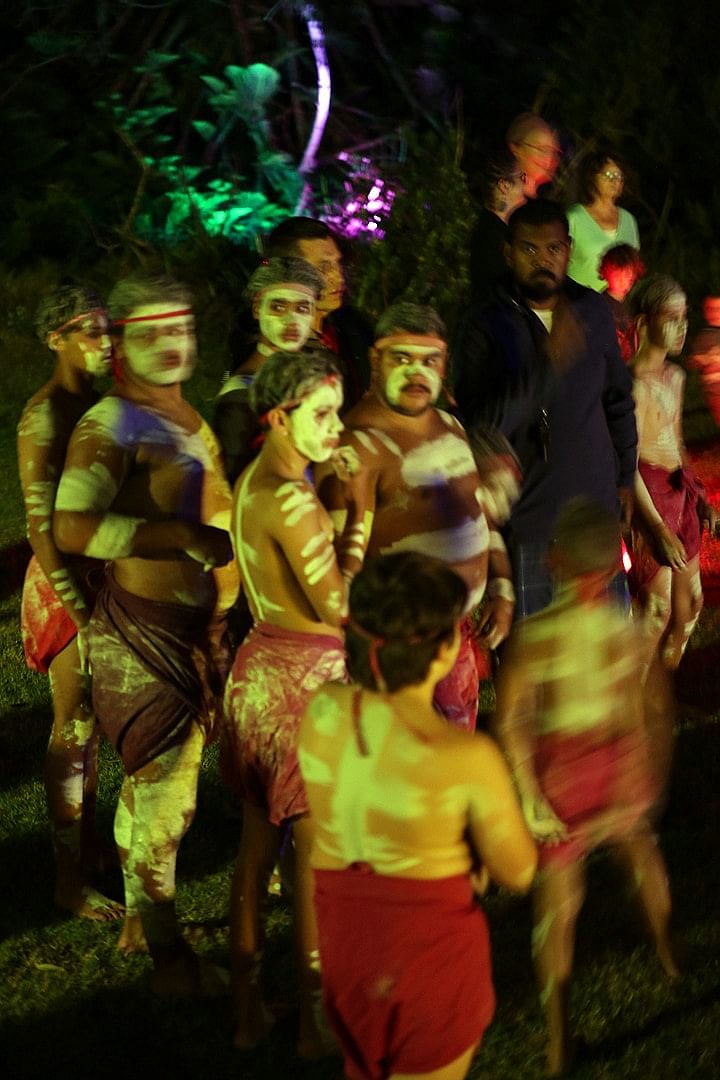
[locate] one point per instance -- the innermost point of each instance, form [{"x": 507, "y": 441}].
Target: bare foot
[
  {"x": 88, "y": 903},
  {"x": 132, "y": 936},
  {"x": 666, "y": 957},
  {"x": 253, "y": 1021},
  {"x": 190, "y": 976}
]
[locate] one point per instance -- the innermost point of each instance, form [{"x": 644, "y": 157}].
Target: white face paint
[
  {"x": 285, "y": 314},
  {"x": 93, "y": 344},
  {"x": 315, "y": 425},
  {"x": 412, "y": 374},
  {"x": 671, "y": 320},
  {"x": 161, "y": 352}
]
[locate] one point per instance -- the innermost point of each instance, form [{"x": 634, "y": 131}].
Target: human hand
[
  {"x": 542, "y": 820},
  {"x": 494, "y": 621},
  {"x": 345, "y": 463},
  {"x": 209, "y": 546},
  {"x": 670, "y": 547},
  {"x": 709, "y": 517},
  {"x": 499, "y": 490}
]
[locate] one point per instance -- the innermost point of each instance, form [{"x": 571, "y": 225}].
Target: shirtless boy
[
  {"x": 143, "y": 489},
  {"x": 283, "y": 293},
  {"x": 570, "y": 718},
  {"x": 72, "y": 322},
  {"x": 418, "y": 488},
  {"x": 297, "y": 595}
]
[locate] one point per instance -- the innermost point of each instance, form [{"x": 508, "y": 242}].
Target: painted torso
[
  {"x": 658, "y": 408},
  {"x": 156, "y": 467},
  {"x": 427, "y": 493}
]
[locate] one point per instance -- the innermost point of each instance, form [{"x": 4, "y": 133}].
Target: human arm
[
  {"x": 298, "y": 525},
  {"x": 498, "y": 831},
  {"x": 350, "y": 500},
  {"x": 84, "y": 522},
  {"x": 496, "y": 615},
  {"x": 40, "y": 463},
  {"x": 236, "y": 427},
  {"x": 515, "y": 719}
]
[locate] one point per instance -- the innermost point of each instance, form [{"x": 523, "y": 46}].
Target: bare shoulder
[{"x": 451, "y": 423}]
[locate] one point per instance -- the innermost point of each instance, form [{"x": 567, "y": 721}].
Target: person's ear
[
  {"x": 256, "y": 308},
  {"x": 278, "y": 420},
  {"x": 55, "y": 341}
]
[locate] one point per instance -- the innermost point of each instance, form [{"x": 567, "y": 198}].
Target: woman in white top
[{"x": 596, "y": 221}]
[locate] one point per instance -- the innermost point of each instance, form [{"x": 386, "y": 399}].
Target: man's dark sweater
[{"x": 573, "y": 431}]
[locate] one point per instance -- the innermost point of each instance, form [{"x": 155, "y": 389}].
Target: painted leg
[
  {"x": 68, "y": 769},
  {"x": 259, "y": 847},
  {"x": 558, "y": 898},
  {"x": 686, "y": 605},
  {"x": 132, "y": 936},
  {"x": 644, "y": 862},
  {"x": 315, "y": 1038}
]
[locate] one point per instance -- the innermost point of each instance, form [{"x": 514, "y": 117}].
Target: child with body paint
[
  {"x": 670, "y": 508},
  {"x": 56, "y": 599},
  {"x": 297, "y": 596},
  {"x": 570, "y": 716},
  {"x": 143, "y": 489},
  {"x": 402, "y": 806},
  {"x": 705, "y": 356},
  {"x": 283, "y": 293}
]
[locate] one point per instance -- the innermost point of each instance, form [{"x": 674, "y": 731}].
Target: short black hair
[
  {"x": 410, "y": 603},
  {"x": 63, "y": 304},
  {"x": 500, "y": 165},
  {"x": 621, "y": 257},
  {"x": 536, "y": 212},
  {"x": 285, "y": 237},
  {"x": 138, "y": 290},
  {"x": 412, "y": 318},
  {"x": 285, "y": 376}
]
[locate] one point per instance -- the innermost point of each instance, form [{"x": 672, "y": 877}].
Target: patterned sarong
[
  {"x": 156, "y": 669},
  {"x": 274, "y": 674},
  {"x": 675, "y": 497}
]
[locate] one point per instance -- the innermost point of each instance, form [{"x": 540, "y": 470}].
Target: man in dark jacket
[{"x": 541, "y": 363}]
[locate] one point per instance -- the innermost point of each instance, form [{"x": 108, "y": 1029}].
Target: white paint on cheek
[
  {"x": 275, "y": 327},
  {"x": 298, "y": 501},
  {"x": 96, "y": 361},
  {"x": 400, "y": 376},
  {"x": 86, "y": 490},
  {"x": 113, "y": 537}
]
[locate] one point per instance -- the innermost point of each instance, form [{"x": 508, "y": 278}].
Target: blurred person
[
  {"x": 501, "y": 192},
  {"x": 297, "y": 596},
  {"x": 418, "y": 488},
  {"x": 541, "y": 364},
  {"x": 570, "y": 718},
  {"x": 337, "y": 325},
  {"x": 58, "y": 593},
  {"x": 621, "y": 267},
  {"x": 705, "y": 356},
  {"x": 143, "y": 489},
  {"x": 404, "y": 946},
  {"x": 283, "y": 293},
  {"x": 536, "y": 148},
  {"x": 596, "y": 221}
]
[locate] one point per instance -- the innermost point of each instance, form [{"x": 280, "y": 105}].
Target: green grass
[{"x": 71, "y": 1005}]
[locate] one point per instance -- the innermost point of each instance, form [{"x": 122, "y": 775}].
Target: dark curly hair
[{"x": 404, "y": 606}]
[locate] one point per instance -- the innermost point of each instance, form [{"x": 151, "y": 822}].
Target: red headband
[
  {"x": 153, "y": 318},
  {"x": 77, "y": 318}
]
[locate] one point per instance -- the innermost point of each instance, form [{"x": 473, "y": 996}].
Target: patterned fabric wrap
[
  {"x": 675, "y": 495},
  {"x": 456, "y": 696},
  {"x": 274, "y": 673},
  {"x": 45, "y": 626},
  {"x": 156, "y": 669}
]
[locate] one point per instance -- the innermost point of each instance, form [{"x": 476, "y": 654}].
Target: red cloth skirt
[
  {"x": 407, "y": 981},
  {"x": 45, "y": 625},
  {"x": 456, "y": 696},
  {"x": 273, "y": 676},
  {"x": 580, "y": 778},
  {"x": 675, "y": 497}
]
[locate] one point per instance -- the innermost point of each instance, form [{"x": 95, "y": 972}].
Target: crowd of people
[{"x": 316, "y": 580}]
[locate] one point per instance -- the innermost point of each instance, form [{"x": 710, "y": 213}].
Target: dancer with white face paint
[
  {"x": 143, "y": 490},
  {"x": 297, "y": 596},
  {"x": 419, "y": 489},
  {"x": 283, "y": 293},
  {"x": 56, "y": 600},
  {"x": 669, "y": 499}
]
